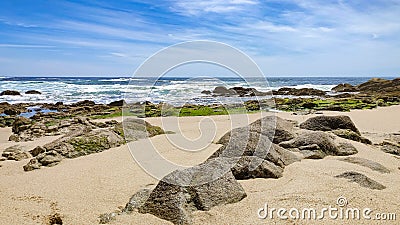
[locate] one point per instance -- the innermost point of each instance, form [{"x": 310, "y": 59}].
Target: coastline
[{"x": 80, "y": 189}]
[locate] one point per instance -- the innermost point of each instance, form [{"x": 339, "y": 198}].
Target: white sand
[{"x": 81, "y": 189}]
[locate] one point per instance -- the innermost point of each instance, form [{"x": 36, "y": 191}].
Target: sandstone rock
[
  {"x": 367, "y": 163},
  {"x": 33, "y": 92},
  {"x": 362, "y": 180},
  {"x": 15, "y": 153},
  {"x": 9, "y": 92},
  {"x": 209, "y": 185},
  {"x": 50, "y": 158},
  {"x": 328, "y": 123},
  {"x": 36, "y": 151}
]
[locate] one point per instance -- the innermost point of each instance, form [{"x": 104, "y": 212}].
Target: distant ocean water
[{"x": 167, "y": 89}]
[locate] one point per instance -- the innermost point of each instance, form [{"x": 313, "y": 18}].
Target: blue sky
[{"x": 285, "y": 38}]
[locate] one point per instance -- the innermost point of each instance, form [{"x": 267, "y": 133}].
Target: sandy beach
[{"x": 81, "y": 189}]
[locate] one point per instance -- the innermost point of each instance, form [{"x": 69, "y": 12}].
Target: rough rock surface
[
  {"x": 276, "y": 128},
  {"x": 391, "y": 147},
  {"x": 15, "y": 153},
  {"x": 319, "y": 141},
  {"x": 351, "y": 135},
  {"x": 329, "y": 123},
  {"x": 362, "y": 180},
  {"x": 208, "y": 185}
]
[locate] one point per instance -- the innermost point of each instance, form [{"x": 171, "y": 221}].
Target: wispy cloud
[{"x": 197, "y": 7}]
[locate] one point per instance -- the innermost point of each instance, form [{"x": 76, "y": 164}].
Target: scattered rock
[
  {"x": 206, "y": 92},
  {"x": 20, "y": 124},
  {"x": 54, "y": 219},
  {"x": 9, "y": 92},
  {"x": 107, "y": 217},
  {"x": 12, "y": 112},
  {"x": 391, "y": 147},
  {"x": 367, "y": 163},
  {"x": 220, "y": 90},
  {"x": 362, "y": 180},
  {"x": 33, "y": 92},
  {"x": 33, "y": 164},
  {"x": 299, "y": 92},
  {"x": 15, "y": 153},
  {"x": 329, "y": 123},
  {"x": 133, "y": 129},
  {"x": 310, "y": 140},
  {"x": 50, "y": 158}
]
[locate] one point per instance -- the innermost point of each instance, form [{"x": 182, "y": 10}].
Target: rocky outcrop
[
  {"x": 344, "y": 88},
  {"x": 362, "y": 180},
  {"x": 33, "y": 92},
  {"x": 204, "y": 186},
  {"x": 235, "y": 91},
  {"x": 299, "y": 92},
  {"x": 118, "y": 103},
  {"x": 16, "y": 153},
  {"x": 9, "y": 92}
]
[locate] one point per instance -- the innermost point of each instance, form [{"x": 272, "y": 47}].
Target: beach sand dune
[{"x": 83, "y": 188}]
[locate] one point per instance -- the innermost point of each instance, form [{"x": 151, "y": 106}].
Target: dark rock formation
[
  {"x": 344, "y": 88},
  {"x": 117, "y": 103},
  {"x": 299, "y": 92},
  {"x": 33, "y": 92},
  {"x": 9, "y": 92},
  {"x": 362, "y": 180},
  {"x": 391, "y": 147}
]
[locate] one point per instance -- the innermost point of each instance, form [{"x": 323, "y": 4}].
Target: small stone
[{"x": 107, "y": 217}]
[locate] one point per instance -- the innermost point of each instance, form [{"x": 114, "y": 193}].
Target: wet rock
[
  {"x": 220, "y": 90},
  {"x": 208, "y": 185},
  {"x": 362, "y": 180},
  {"x": 329, "y": 123},
  {"x": 12, "y": 112},
  {"x": 366, "y": 163},
  {"x": 84, "y": 103},
  {"x": 344, "y": 88},
  {"x": 9, "y": 92},
  {"x": 33, "y": 92},
  {"x": 206, "y": 92},
  {"x": 117, "y": 103},
  {"x": 299, "y": 92},
  {"x": 15, "y": 153}
]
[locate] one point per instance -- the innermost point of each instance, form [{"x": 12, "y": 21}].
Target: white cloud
[{"x": 197, "y": 7}]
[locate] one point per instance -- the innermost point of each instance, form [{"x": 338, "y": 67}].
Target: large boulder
[
  {"x": 197, "y": 188},
  {"x": 329, "y": 123},
  {"x": 220, "y": 90},
  {"x": 248, "y": 167},
  {"x": 276, "y": 128}
]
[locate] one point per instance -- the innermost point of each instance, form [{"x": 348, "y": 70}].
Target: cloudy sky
[{"x": 285, "y": 38}]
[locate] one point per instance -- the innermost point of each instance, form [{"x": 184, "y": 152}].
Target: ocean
[{"x": 174, "y": 90}]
